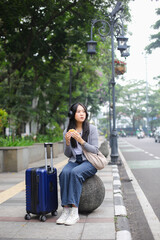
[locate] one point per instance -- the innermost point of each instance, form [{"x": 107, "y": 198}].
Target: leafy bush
[
  {"x": 10, "y": 142},
  {"x": 27, "y": 141},
  {"x": 106, "y": 135},
  {"x": 3, "y": 119},
  {"x": 54, "y": 130},
  {"x": 54, "y": 134},
  {"x": 47, "y": 138}
]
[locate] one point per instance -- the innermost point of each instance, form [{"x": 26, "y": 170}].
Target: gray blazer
[{"x": 91, "y": 145}]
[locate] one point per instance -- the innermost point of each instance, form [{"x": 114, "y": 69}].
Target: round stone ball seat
[{"x": 93, "y": 193}]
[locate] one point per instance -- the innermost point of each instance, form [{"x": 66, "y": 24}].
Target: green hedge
[{"x": 28, "y": 140}]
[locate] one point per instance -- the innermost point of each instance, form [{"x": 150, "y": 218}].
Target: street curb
[{"x": 121, "y": 220}]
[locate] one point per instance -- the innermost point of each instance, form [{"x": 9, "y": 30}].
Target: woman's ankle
[{"x": 74, "y": 206}]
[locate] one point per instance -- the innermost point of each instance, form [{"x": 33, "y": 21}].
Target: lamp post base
[
  {"x": 114, "y": 147},
  {"x": 118, "y": 162}
]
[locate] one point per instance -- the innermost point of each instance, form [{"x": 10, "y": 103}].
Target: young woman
[{"x": 78, "y": 134}]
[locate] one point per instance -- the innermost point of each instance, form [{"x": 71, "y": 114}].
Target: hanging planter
[{"x": 120, "y": 67}]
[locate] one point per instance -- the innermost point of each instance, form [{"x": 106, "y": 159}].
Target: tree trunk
[{"x": 42, "y": 129}]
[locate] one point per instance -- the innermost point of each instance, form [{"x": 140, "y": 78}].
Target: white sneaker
[
  {"x": 64, "y": 216},
  {"x": 73, "y": 217}
]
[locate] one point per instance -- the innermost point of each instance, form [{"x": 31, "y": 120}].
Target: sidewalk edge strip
[{"x": 120, "y": 210}]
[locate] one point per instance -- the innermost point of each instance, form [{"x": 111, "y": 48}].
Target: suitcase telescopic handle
[
  {"x": 46, "y": 144},
  {"x": 51, "y": 149}
]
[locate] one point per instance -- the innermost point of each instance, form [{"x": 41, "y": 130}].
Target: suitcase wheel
[
  {"x": 55, "y": 213},
  {"x": 27, "y": 216},
  {"x": 42, "y": 218}
]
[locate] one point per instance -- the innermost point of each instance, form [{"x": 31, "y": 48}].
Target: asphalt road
[{"x": 143, "y": 159}]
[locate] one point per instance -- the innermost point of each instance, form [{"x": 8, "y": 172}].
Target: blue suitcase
[{"x": 41, "y": 189}]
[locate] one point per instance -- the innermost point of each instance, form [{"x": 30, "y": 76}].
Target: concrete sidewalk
[{"x": 100, "y": 224}]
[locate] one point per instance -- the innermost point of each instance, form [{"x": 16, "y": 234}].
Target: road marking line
[
  {"x": 9, "y": 193},
  {"x": 151, "y": 218},
  {"x": 135, "y": 148},
  {"x": 5, "y": 195},
  {"x": 61, "y": 164},
  {"x": 150, "y": 154},
  {"x": 137, "y": 164}
]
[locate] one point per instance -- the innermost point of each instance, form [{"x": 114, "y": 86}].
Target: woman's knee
[
  {"x": 75, "y": 174},
  {"x": 65, "y": 173}
]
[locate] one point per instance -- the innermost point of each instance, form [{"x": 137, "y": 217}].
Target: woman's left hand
[{"x": 77, "y": 137}]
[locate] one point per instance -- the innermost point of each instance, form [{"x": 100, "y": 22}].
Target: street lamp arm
[
  {"x": 113, "y": 22},
  {"x": 101, "y": 30},
  {"x": 105, "y": 29},
  {"x": 118, "y": 28}
]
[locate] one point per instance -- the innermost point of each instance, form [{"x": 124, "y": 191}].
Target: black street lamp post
[
  {"x": 115, "y": 28},
  {"x": 110, "y": 111}
]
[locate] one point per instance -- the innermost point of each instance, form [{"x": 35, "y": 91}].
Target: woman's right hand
[{"x": 68, "y": 138}]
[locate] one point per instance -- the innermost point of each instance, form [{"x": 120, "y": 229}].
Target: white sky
[{"x": 143, "y": 16}]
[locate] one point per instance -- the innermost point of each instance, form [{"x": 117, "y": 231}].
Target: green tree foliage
[
  {"x": 39, "y": 41},
  {"x": 155, "y": 37},
  {"x": 3, "y": 119},
  {"x": 154, "y": 109},
  {"x": 132, "y": 102}
]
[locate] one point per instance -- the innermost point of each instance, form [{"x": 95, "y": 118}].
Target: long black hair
[{"x": 72, "y": 123}]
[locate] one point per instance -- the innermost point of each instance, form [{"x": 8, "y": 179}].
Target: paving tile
[
  {"x": 109, "y": 194},
  {"x": 108, "y": 185},
  {"x": 10, "y": 229},
  {"x": 99, "y": 231},
  {"x": 106, "y": 179},
  {"x": 10, "y": 211},
  {"x": 103, "y": 212},
  {"x": 50, "y": 231}
]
